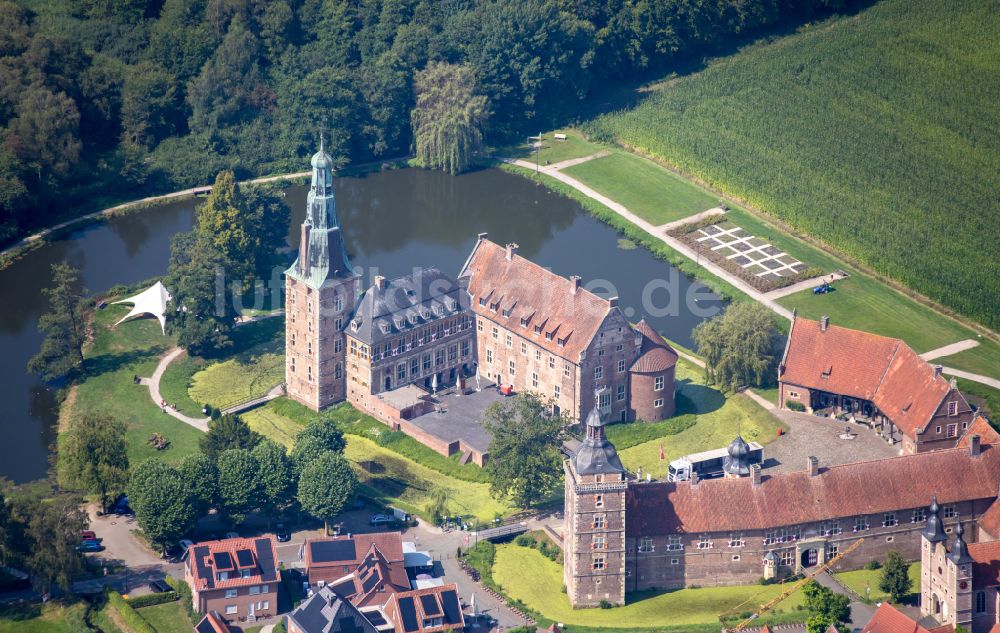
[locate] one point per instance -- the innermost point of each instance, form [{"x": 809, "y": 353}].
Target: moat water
[{"x": 392, "y": 220}]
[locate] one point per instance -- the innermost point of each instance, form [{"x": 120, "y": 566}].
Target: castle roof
[
  {"x": 985, "y": 564},
  {"x": 596, "y": 455},
  {"x": 655, "y": 354},
  {"x": 862, "y": 365},
  {"x": 889, "y": 619},
  {"x": 792, "y": 498},
  {"x": 557, "y": 314},
  {"x": 406, "y": 303}
]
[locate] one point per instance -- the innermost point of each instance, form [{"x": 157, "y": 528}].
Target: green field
[
  {"x": 53, "y": 617},
  {"x": 718, "y": 422},
  {"x": 176, "y": 381},
  {"x": 256, "y": 364},
  {"x": 526, "y": 575},
  {"x": 553, "y": 151},
  {"x": 646, "y": 189},
  {"x": 402, "y": 482},
  {"x": 169, "y": 617},
  {"x": 874, "y": 133},
  {"x": 114, "y": 357},
  {"x": 984, "y": 359},
  {"x": 864, "y": 582}
]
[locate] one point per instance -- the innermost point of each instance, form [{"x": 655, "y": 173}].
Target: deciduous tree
[
  {"x": 239, "y": 487},
  {"x": 228, "y": 432},
  {"x": 326, "y": 486},
  {"x": 448, "y": 118},
  {"x": 524, "y": 463},
  {"x": 202, "y": 479},
  {"x": 740, "y": 346},
  {"x": 52, "y": 527},
  {"x": 319, "y": 436},
  {"x": 164, "y": 505},
  {"x": 826, "y": 607},
  {"x": 64, "y": 325},
  {"x": 275, "y": 476},
  {"x": 95, "y": 456}
]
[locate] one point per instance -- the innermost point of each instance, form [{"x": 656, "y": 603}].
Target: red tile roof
[
  {"x": 792, "y": 498},
  {"x": 985, "y": 564},
  {"x": 373, "y": 581},
  {"x": 868, "y": 366},
  {"x": 534, "y": 293},
  {"x": 980, "y": 426},
  {"x": 990, "y": 520},
  {"x": 444, "y": 606},
  {"x": 889, "y": 619},
  {"x": 204, "y": 571},
  {"x": 212, "y": 623},
  {"x": 656, "y": 355},
  {"x": 996, "y": 628}
]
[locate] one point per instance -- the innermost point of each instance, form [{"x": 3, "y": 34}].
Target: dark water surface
[{"x": 393, "y": 221}]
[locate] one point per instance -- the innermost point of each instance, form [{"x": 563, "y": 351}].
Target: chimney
[
  {"x": 824, "y": 323},
  {"x": 482, "y": 237},
  {"x": 974, "y": 447},
  {"x": 575, "y": 281},
  {"x": 755, "y": 475},
  {"x": 953, "y": 383},
  {"x": 511, "y": 249},
  {"x": 304, "y": 249},
  {"x": 380, "y": 282},
  {"x": 613, "y": 301},
  {"x": 813, "y": 466},
  {"x": 937, "y": 370}
]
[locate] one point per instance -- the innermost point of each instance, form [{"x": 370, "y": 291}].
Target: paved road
[
  {"x": 948, "y": 350},
  {"x": 986, "y": 380},
  {"x": 697, "y": 217}
]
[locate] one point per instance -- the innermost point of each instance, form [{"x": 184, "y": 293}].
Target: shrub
[
  {"x": 794, "y": 405},
  {"x": 184, "y": 593},
  {"x": 873, "y": 565},
  {"x": 152, "y": 599},
  {"x": 129, "y": 616},
  {"x": 606, "y": 605}
]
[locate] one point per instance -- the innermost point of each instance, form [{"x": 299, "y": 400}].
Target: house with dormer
[{"x": 237, "y": 578}]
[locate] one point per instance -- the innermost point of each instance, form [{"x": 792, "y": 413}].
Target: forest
[
  {"x": 104, "y": 100},
  {"x": 876, "y": 134}
]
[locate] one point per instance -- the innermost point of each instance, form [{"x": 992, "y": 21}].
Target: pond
[{"x": 393, "y": 221}]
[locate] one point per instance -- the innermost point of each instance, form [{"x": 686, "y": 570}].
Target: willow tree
[{"x": 448, "y": 118}]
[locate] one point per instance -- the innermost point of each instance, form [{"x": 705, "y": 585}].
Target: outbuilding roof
[
  {"x": 793, "y": 498},
  {"x": 655, "y": 355}
]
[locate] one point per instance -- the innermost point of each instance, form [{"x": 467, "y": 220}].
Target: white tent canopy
[{"x": 152, "y": 300}]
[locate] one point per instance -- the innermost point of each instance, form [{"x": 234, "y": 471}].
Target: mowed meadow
[{"x": 876, "y": 133}]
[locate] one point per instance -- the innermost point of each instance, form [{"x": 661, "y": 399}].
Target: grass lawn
[
  {"x": 247, "y": 374},
  {"x": 553, "y": 151},
  {"x": 53, "y": 617},
  {"x": 984, "y": 359},
  {"x": 272, "y": 424},
  {"x": 650, "y": 191},
  {"x": 401, "y": 482},
  {"x": 717, "y": 421},
  {"x": 176, "y": 381},
  {"x": 169, "y": 617},
  {"x": 526, "y": 575},
  {"x": 114, "y": 357},
  {"x": 860, "y": 579}
]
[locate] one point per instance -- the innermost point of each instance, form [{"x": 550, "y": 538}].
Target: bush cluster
[
  {"x": 129, "y": 615},
  {"x": 151, "y": 599}
]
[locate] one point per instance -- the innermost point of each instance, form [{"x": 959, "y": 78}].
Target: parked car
[
  {"x": 87, "y": 535},
  {"x": 380, "y": 520},
  {"x": 232, "y": 535},
  {"x": 282, "y": 534},
  {"x": 159, "y": 586},
  {"x": 121, "y": 507},
  {"x": 185, "y": 546},
  {"x": 90, "y": 546}
]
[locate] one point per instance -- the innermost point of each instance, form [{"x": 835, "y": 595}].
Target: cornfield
[{"x": 877, "y": 133}]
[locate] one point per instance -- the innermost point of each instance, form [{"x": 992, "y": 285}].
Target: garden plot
[{"x": 754, "y": 259}]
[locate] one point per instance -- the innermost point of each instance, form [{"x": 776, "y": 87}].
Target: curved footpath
[
  {"x": 154, "y": 391},
  {"x": 765, "y": 299}
]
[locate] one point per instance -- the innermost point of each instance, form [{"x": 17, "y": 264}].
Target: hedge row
[
  {"x": 130, "y": 617},
  {"x": 151, "y": 599}
]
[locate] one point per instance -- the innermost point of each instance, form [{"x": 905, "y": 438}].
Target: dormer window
[
  {"x": 538, "y": 328},
  {"x": 384, "y": 326},
  {"x": 412, "y": 317},
  {"x": 354, "y": 325},
  {"x": 437, "y": 308},
  {"x": 561, "y": 342},
  {"x": 494, "y": 307},
  {"x": 482, "y": 301},
  {"x": 450, "y": 303},
  {"x": 524, "y": 322},
  {"x": 398, "y": 320},
  {"x": 826, "y": 372},
  {"x": 548, "y": 336}
]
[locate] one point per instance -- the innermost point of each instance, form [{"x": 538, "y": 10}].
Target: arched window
[{"x": 981, "y": 602}]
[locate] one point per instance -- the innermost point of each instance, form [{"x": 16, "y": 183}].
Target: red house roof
[
  {"x": 985, "y": 564},
  {"x": 428, "y": 610},
  {"x": 889, "y": 619},
  {"x": 350, "y": 550},
  {"x": 525, "y": 290},
  {"x": 655, "y": 355},
  {"x": 235, "y": 562},
  {"x": 867, "y": 366},
  {"x": 793, "y": 498}
]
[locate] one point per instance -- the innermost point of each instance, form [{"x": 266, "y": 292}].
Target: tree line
[{"x": 103, "y": 99}]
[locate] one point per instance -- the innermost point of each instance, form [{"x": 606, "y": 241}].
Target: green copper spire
[{"x": 322, "y": 255}]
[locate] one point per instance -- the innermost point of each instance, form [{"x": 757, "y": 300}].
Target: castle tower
[
  {"x": 594, "y": 520},
  {"x": 321, "y": 288},
  {"x": 737, "y": 462},
  {"x": 933, "y": 585},
  {"x": 960, "y": 575}
]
